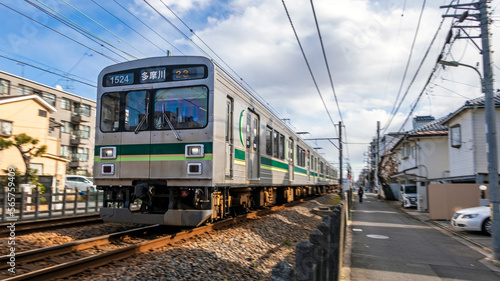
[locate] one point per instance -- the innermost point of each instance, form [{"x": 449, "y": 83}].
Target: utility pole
[
  {"x": 340, "y": 155},
  {"x": 489, "y": 104},
  {"x": 377, "y": 151}
]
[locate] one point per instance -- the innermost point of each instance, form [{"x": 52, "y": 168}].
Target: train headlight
[
  {"x": 195, "y": 150},
  {"x": 108, "y": 153}
]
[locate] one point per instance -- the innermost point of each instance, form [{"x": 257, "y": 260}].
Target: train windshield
[{"x": 183, "y": 107}]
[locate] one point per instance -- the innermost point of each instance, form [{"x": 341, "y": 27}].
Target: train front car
[{"x": 154, "y": 141}]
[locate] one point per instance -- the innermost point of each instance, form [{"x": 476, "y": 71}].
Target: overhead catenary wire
[
  {"x": 127, "y": 25},
  {"x": 154, "y": 31},
  {"x": 46, "y": 26},
  {"x": 395, "y": 108},
  {"x": 308, "y": 65}
]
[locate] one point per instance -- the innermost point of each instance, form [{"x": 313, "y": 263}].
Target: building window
[
  {"x": 66, "y": 104},
  {"x": 4, "y": 87},
  {"x": 37, "y": 167},
  {"x": 5, "y": 128},
  {"x": 25, "y": 90},
  {"x": 456, "y": 136},
  {"x": 85, "y": 109},
  {"x": 80, "y": 154},
  {"x": 82, "y": 131},
  {"x": 66, "y": 128},
  {"x": 42, "y": 113},
  {"x": 49, "y": 98},
  {"x": 64, "y": 151}
]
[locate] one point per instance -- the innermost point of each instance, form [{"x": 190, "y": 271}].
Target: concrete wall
[{"x": 446, "y": 199}]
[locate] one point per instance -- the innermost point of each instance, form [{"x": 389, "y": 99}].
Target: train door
[
  {"x": 291, "y": 167},
  {"x": 252, "y": 144},
  {"x": 229, "y": 139}
]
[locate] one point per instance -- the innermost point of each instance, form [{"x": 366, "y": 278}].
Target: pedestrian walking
[{"x": 360, "y": 194}]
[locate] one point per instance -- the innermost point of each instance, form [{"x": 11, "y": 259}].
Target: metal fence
[{"x": 30, "y": 204}]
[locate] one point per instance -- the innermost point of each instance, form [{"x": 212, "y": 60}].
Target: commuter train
[{"x": 189, "y": 144}]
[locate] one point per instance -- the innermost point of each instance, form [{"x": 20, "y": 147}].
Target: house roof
[
  {"x": 10, "y": 99},
  {"x": 476, "y": 102},
  {"x": 432, "y": 128}
]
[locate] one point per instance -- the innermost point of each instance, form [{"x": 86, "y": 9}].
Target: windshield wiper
[
  {"x": 165, "y": 117},
  {"x": 144, "y": 118}
]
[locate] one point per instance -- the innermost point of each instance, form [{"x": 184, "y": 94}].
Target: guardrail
[
  {"x": 320, "y": 258},
  {"x": 31, "y": 204}
]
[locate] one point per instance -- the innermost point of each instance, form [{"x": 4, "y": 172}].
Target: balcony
[{"x": 78, "y": 160}]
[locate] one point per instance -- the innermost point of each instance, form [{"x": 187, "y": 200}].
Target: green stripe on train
[
  {"x": 153, "y": 149},
  {"x": 239, "y": 154},
  {"x": 273, "y": 163}
]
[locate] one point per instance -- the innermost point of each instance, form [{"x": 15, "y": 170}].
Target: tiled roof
[
  {"x": 477, "y": 102},
  {"x": 431, "y": 128}
]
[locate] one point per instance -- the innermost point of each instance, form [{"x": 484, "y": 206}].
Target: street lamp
[
  {"x": 483, "y": 188},
  {"x": 456, "y": 64}
]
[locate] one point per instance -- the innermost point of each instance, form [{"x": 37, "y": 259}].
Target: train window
[
  {"x": 249, "y": 129},
  {"x": 136, "y": 110},
  {"x": 255, "y": 134},
  {"x": 110, "y": 112},
  {"x": 269, "y": 141},
  {"x": 282, "y": 147},
  {"x": 275, "y": 144},
  {"x": 184, "y": 107}
]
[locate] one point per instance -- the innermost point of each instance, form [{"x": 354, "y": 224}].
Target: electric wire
[
  {"x": 114, "y": 34},
  {"x": 49, "y": 71},
  {"x": 68, "y": 22},
  {"x": 127, "y": 25},
  {"x": 395, "y": 109},
  {"x": 79, "y": 43},
  {"x": 308, "y": 65},
  {"x": 83, "y": 32},
  {"x": 154, "y": 31}
]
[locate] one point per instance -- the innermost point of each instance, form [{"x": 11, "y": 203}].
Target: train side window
[
  {"x": 249, "y": 129},
  {"x": 275, "y": 143},
  {"x": 136, "y": 110},
  {"x": 110, "y": 112},
  {"x": 255, "y": 134},
  {"x": 269, "y": 141},
  {"x": 282, "y": 147}
]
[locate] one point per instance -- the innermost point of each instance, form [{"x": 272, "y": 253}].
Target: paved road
[{"x": 389, "y": 244}]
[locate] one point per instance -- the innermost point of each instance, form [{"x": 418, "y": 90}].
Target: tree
[{"x": 28, "y": 148}]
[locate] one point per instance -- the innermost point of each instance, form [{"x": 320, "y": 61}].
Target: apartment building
[{"x": 73, "y": 121}]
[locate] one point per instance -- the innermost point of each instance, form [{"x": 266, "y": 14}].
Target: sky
[{"x": 378, "y": 55}]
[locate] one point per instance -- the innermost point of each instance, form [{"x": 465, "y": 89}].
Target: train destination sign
[
  {"x": 152, "y": 75},
  {"x": 156, "y": 74}
]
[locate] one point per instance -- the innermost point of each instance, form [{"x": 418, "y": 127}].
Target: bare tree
[{"x": 28, "y": 148}]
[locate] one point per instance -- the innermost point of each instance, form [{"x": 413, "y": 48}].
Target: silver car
[
  {"x": 477, "y": 219},
  {"x": 79, "y": 183}
]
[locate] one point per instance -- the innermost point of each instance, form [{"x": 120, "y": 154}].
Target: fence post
[
  {"x": 303, "y": 261},
  {"x": 37, "y": 201},
  {"x": 283, "y": 271},
  {"x": 328, "y": 266},
  {"x": 50, "y": 202},
  {"x": 65, "y": 193},
  {"x": 317, "y": 240},
  {"x": 87, "y": 200},
  {"x": 75, "y": 206}
]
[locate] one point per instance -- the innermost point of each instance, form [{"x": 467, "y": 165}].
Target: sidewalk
[{"x": 390, "y": 244}]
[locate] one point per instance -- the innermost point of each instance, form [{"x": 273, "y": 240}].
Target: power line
[
  {"x": 395, "y": 109},
  {"x": 308, "y": 66}
]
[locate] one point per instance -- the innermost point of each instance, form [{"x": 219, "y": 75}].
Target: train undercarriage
[{"x": 192, "y": 206}]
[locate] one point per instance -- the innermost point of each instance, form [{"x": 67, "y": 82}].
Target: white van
[
  {"x": 408, "y": 195},
  {"x": 80, "y": 183}
]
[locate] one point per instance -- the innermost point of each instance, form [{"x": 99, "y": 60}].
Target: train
[{"x": 189, "y": 144}]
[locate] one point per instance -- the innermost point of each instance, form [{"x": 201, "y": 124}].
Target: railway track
[
  {"x": 24, "y": 227},
  {"x": 78, "y": 265}
]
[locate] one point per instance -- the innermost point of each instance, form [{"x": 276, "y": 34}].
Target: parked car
[
  {"x": 408, "y": 195},
  {"x": 476, "y": 219},
  {"x": 80, "y": 183}
]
